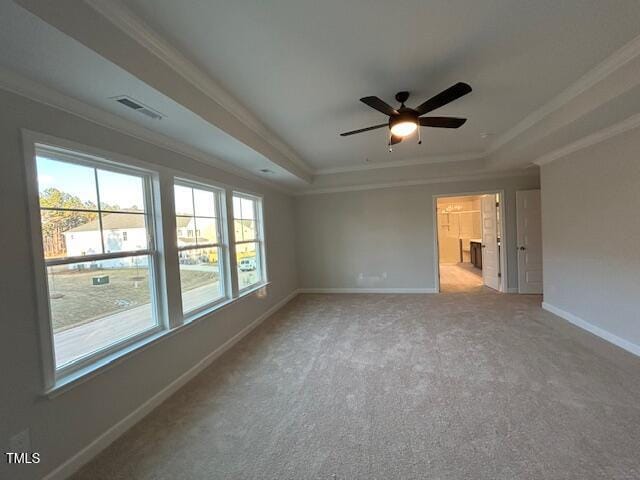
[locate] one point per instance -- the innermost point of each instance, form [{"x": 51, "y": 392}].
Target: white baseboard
[
  {"x": 589, "y": 327},
  {"x": 368, "y": 290},
  {"x": 105, "y": 439},
  {"x": 512, "y": 290}
]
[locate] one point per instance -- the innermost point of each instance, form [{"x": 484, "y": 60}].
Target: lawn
[{"x": 75, "y": 300}]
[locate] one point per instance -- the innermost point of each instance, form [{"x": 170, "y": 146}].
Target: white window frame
[
  {"x": 222, "y": 244},
  {"x": 260, "y": 248},
  {"x": 166, "y": 274},
  {"x": 72, "y": 153}
]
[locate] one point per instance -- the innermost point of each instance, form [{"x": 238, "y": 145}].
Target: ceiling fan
[{"x": 404, "y": 120}]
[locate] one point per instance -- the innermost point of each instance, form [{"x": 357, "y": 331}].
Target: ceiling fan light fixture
[
  {"x": 403, "y": 121},
  {"x": 404, "y": 128}
]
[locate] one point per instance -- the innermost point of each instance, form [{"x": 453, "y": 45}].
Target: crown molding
[
  {"x": 590, "y": 140},
  {"x": 124, "y": 19},
  {"x": 426, "y": 181},
  {"x": 600, "y": 72},
  {"x": 26, "y": 87},
  {"x": 428, "y": 160}
]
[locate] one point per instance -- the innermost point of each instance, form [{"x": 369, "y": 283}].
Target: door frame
[
  {"x": 504, "y": 270},
  {"x": 522, "y": 272}
]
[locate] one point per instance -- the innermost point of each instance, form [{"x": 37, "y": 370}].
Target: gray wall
[
  {"x": 385, "y": 231},
  {"x": 591, "y": 233},
  {"x": 60, "y": 427}
]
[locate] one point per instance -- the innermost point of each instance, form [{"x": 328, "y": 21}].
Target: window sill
[
  {"x": 66, "y": 383},
  {"x": 253, "y": 289}
]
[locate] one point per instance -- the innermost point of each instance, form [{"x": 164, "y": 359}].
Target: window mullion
[
  {"x": 95, "y": 174},
  {"x": 169, "y": 244},
  {"x": 260, "y": 225},
  {"x": 223, "y": 242},
  {"x": 233, "y": 260}
]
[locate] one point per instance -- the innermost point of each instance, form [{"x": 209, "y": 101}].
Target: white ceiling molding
[
  {"x": 590, "y": 140},
  {"x": 426, "y": 181},
  {"x": 119, "y": 15},
  {"x": 115, "y": 17},
  {"x": 402, "y": 163},
  {"x": 25, "y": 87},
  {"x": 601, "y": 71}
]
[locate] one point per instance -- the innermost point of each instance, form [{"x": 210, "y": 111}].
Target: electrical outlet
[{"x": 20, "y": 442}]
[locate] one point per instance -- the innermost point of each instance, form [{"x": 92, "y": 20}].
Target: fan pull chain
[{"x": 419, "y": 135}]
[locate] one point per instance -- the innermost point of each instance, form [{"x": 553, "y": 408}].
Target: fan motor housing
[{"x": 404, "y": 115}]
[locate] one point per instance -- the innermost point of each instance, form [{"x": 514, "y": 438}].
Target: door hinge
[
  {"x": 497, "y": 204},
  {"x": 499, "y": 274}
]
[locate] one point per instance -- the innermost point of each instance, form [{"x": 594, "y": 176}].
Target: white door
[
  {"x": 490, "y": 254},
  {"x": 529, "y": 224}
]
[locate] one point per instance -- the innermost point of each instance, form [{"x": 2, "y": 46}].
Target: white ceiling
[
  {"x": 272, "y": 84},
  {"x": 34, "y": 49},
  {"x": 301, "y": 66}
]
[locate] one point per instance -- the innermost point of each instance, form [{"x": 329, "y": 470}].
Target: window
[
  {"x": 102, "y": 281},
  {"x": 201, "y": 249},
  {"x": 247, "y": 220},
  {"x": 99, "y": 255}
]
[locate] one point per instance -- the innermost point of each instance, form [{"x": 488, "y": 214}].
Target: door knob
[{"x": 522, "y": 248}]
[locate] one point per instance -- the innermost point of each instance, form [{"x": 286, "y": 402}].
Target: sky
[{"x": 126, "y": 191}]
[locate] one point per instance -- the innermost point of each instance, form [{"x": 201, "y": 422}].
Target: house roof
[{"x": 121, "y": 221}]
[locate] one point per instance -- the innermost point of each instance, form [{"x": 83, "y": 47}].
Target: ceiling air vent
[{"x": 138, "y": 107}]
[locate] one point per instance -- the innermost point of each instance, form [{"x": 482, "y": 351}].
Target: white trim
[
  {"x": 436, "y": 245},
  {"x": 367, "y": 290},
  {"x": 590, "y": 140},
  {"x": 164, "y": 206},
  {"x": 45, "y": 331},
  {"x": 37, "y": 92},
  {"x": 56, "y": 376},
  {"x": 591, "y": 328},
  {"x": 601, "y": 71},
  {"x": 427, "y": 181},
  {"x": 74, "y": 463},
  {"x": 402, "y": 163},
  {"x": 258, "y": 213},
  {"x": 120, "y": 16},
  {"x": 504, "y": 270},
  {"x": 512, "y": 290},
  {"x": 222, "y": 244}
]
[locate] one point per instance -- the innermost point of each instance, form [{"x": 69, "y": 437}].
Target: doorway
[{"x": 469, "y": 238}]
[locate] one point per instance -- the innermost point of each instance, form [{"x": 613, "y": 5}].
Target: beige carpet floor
[{"x": 451, "y": 386}]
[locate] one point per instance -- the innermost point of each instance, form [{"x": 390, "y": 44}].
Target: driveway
[{"x": 73, "y": 343}]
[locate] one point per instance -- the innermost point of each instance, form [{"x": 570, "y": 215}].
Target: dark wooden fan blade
[
  {"x": 381, "y": 106},
  {"x": 446, "y": 96},
  {"x": 442, "y": 122},
  {"x": 353, "y": 132},
  {"x": 395, "y": 139}
]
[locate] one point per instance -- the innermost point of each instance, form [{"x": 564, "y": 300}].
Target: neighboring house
[{"x": 122, "y": 231}]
